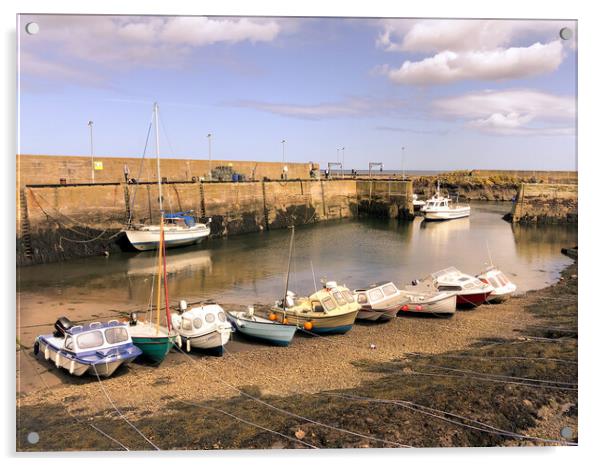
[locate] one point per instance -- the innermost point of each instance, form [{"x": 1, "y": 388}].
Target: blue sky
[{"x": 456, "y": 94}]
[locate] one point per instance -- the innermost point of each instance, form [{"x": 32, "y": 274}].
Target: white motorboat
[
  {"x": 180, "y": 228},
  {"x": 440, "y": 207},
  {"x": 502, "y": 287},
  {"x": 469, "y": 291},
  {"x": 96, "y": 348},
  {"x": 257, "y": 327},
  {"x": 433, "y": 302},
  {"x": 418, "y": 203},
  {"x": 380, "y": 302},
  {"x": 203, "y": 327}
]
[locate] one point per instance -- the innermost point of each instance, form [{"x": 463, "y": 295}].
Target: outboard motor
[
  {"x": 133, "y": 318},
  {"x": 415, "y": 282},
  {"x": 61, "y": 326}
]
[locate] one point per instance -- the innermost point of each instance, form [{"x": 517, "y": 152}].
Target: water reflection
[{"x": 251, "y": 268}]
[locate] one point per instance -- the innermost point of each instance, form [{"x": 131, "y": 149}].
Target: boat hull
[
  {"x": 467, "y": 301},
  {"x": 374, "y": 315},
  {"x": 79, "y": 366},
  {"x": 446, "y": 214},
  {"x": 155, "y": 349},
  {"x": 445, "y": 305},
  {"x": 276, "y": 334},
  {"x": 148, "y": 240},
  {"x": 215, "y": 339},
  {"x": 322, "y": 324}
]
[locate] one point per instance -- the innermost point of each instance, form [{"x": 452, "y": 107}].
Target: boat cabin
[
  {"x": 377, "y": 294},
  {"x": 330, "y": 298},
  {"x": 495, "y": 278},
  {"x": 95, "y": 336},
  {"x": 451, "y": 279},
  {"x": 438, "y": 203},
  {"x": 181, "y": 219}
]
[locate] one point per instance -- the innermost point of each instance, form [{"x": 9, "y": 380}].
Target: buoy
[
  {"x": 285, "y": 321},
  {"x": 272, "y": 316},
  {"x": 419, "y": 307},
  {"x": 404, "y": 307},
  {"x": 372, "y": 346},
  {"x": 308, "y": 325}
]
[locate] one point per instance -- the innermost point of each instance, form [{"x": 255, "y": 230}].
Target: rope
[
  {"x": 288, "y": 413},
  {"x": 462, "y": 356},
  {"x": 250, "y": 423},
  {"x": 69, "y": 412},
  {"x": 133, "y": 203},
  {"x": 119, "y": 412}
]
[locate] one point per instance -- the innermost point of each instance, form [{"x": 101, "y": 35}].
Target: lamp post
[
  {"x": 283, "y": 143},
  {"x": 91, "y": 125},
  {"x": 343, "y": 162},
  {"x": 403, "y": 170},
  {"x": 209, "y": 144}
]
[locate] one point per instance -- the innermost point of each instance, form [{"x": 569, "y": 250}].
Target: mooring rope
[
  {"x": 119, "y": 412},
  {"x": 100, "y": 431},
  {"x": 288, "y": 413}
]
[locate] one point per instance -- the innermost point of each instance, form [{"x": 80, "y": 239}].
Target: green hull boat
[{"x": 155, "y": 345}]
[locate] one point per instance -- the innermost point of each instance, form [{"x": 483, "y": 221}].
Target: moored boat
[
  {"x": 441, "y": 207},
  {"x": 379, "y": 302},
  {"x": 469, "y": 291},
  {"x": 433, "y": 302},
  {"x": 503, "y": 288},
  {"x": 202, "y": 327},
  {"x": 417, "y": 203},
  {"x": 260, "y": 328},
  {"x": 95, "y": 348}
]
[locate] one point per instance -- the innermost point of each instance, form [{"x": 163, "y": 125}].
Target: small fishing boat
[
  {"x": 381, "y": 301},
  {"x": 96, "y": 348},
  {"x": 181, "y": 229},
  {"x": 332, "y": 309},
  {"x": 430, "y": 302},
  {"x": 260, "y": 328},
  {"x": 469, "y": 291},
  {"x": 440, "y": 207},
  {"x": 152, "y": 338},
  {"x": 502, "y": 287},
  {"x": 202, "y": 327}
]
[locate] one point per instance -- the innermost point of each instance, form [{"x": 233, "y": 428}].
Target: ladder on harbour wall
[
  {"x": 25, "y": 226},
  {"x": 202, "y": 193}
]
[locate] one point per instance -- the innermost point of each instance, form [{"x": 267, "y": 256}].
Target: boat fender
[
  {"x": 46, "y": 353},
  {"x": 188, "y": 346},
  {"x": 57, "y": 359},
  {"x": 72, "y": 366},
  {"x": 36, "y": 347},
  {"x": 179, "y": 341}
]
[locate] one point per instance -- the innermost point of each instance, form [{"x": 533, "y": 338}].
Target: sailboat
[
  {"x": 152, "y": 338},
  {"x": 179, "y": 229},
  {"x": 333, "y": 309}
]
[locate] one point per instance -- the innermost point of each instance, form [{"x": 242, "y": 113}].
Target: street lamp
[
  {"x": 403, "y": 170},
  {"x": 343, "y": 161},
  {"x": 91, "y": 125},
  {"x": 209, "y": 143},
  {"x": 283, "y": 143}
]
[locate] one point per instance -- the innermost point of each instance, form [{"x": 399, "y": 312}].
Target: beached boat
[
  {"x": 152, "y": 338},
  {"x": 440, "y": 207},
  {"x": 469, "y": 291},
  {"x": 431, "y": 302},
  {"x": 260, "y": 328},
  {"x": 379, "y": 302},
  {"x": 96, "y": 348},
  {"x": 331, "y": 309},
  {"x": 202, "y": 327},
  {"x": 502, "y": 287},
  {"x": 181, "y": 229}
]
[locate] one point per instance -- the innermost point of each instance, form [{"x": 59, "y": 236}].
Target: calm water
[{"x": 251, "y": 268}]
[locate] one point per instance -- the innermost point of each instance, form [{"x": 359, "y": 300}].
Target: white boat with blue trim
[
  {"x": 260, "y": 328},
  {"x": 96, "y": 348},
  {"x": 180, "y": 229}
]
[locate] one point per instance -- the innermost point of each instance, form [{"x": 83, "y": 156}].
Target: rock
[
  {"x": 300, "y": 434},
  {"x": 527, "y": 403}
]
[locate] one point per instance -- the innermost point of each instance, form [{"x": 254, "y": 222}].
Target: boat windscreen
[
  {"x": 90, "y": 340},
  {"x": 348, "y": 296},
  {"x": 389, "y": 289},
  {"x": 376, "y": 295},
  {"x": 339, "y": 298},
  {"x": 116, "y": 335},
  {"x": 328, "y": 304}
]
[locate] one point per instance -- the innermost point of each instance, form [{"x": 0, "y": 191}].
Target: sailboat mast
[
  {"x": 167, "y": 312},
  {"x": 156, "y": 112},
  {"x": 288, "y": 271}
]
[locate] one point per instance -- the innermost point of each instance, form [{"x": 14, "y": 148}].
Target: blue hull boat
[{"x": 260, "y": 328}]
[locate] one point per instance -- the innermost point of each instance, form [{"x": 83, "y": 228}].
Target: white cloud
[
  {"x": 498, "y": 64},
  {"x": 515, "y": 111},
  {"x": 120, "y": 42},
  {"x": 350, "y": 107},
  {"x": 472, "y": 49}
]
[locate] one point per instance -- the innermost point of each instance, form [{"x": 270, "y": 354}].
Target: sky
[{"x": 422, "y": 94}]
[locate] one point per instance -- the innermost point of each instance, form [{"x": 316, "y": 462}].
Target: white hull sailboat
[{"x": 179, "y": 229}]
